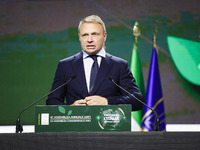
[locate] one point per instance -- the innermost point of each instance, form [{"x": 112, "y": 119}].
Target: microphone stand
[
  {"x": 157, "y": 128},
  {"x": 19, "y": 127}
]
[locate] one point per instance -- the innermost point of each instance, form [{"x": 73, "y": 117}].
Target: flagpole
[
  {"x": 155, "y": 46},
  {"x": 154, "y": 93},
  {"x": 136, "y": 32},
  {"x": 136, "y": 70},
  {"x": 154, "y": 36}
]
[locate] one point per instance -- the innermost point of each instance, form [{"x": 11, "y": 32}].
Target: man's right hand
[{"x": 80, "y": 102}]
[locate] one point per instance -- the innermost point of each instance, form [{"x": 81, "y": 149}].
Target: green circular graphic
[{"x": 111, "y": 119}]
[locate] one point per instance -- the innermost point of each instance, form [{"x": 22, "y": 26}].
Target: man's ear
[
  {"x": 105, "y": 36},
  {"x": 79, "y": 36}
]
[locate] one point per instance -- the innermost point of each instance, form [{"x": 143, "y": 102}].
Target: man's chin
[{"x": 91, "y": 51}]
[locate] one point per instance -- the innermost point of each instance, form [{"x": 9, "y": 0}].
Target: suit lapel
[
  {"x": 102, "y": 72},
  {"x": 79, "y": 71}
]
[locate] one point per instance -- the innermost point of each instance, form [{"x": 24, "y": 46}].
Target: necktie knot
[{"x": 94, "y": 57}]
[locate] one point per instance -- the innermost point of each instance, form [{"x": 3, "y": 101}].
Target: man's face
[{"x": 92, "y": 37}]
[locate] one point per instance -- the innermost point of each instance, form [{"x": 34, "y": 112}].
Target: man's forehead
[{"x": 91, "y": 27}]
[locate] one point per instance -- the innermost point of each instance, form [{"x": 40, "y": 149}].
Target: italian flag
[{"x": 136, "y": 70}]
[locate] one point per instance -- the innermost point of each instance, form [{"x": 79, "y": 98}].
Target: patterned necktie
[{"x": 93, "y": 72}]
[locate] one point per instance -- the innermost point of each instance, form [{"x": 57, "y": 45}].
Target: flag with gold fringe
[{"x": 154, "y": 98}]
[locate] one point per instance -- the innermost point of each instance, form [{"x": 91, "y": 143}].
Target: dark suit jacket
[{"x": 76, "y": 89}]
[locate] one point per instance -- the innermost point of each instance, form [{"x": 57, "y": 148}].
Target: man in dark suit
[{"x": 93, "y": 68}]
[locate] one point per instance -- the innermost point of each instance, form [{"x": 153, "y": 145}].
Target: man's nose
[{"x": 90, "y": 39}]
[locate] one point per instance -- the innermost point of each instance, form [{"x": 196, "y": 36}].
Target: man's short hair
[{"x": 92, "y": 19}]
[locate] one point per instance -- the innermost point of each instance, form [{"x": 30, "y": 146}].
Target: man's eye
[
  {"x": 85, "y": 35},
  {"x": 94, "y": 33}
]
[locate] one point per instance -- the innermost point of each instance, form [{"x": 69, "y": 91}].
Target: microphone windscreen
[
  {"x": 73, "y": 76},
  {"x": 110, "y": 77}
]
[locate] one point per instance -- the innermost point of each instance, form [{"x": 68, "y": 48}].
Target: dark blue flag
[{"x": 154, "y": 98}]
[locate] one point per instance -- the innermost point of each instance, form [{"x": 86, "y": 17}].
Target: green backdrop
[{"x": 30, "y": 48}]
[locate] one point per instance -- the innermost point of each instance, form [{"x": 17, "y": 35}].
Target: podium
[{"x": 65, "y": 118}]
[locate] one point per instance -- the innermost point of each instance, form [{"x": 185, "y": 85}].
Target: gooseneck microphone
[
  {"x": 19, "y": 127},
  {"x": 157, "y": 128}
]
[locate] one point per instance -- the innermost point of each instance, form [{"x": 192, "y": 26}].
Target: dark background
[{"x": 35, "y": 35}]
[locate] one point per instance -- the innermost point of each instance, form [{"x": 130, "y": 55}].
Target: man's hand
[
  {"x": 80, "y": 102},
  {"x": 96, "y": 100}
]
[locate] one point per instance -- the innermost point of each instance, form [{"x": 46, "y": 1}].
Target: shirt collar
[{"x": 101, "y": 53}]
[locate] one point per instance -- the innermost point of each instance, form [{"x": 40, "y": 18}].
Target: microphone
[
  {"x": 19, "y": 127},
  {"x": 157, "y": 128}
]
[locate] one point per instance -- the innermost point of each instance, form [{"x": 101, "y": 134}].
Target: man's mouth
[{"x": 90, "y": 46}]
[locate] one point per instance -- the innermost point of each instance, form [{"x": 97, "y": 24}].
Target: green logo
[{"x": 111, "y": 119}]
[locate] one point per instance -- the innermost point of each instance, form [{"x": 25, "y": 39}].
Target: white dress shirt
[{"x": 88, "y": 61}]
